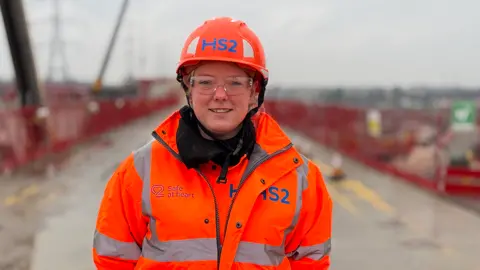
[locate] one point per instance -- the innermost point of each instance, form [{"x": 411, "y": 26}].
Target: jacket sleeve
[
  {"x": 310, "y": 242},
  {"x": 120, "y": 226}
]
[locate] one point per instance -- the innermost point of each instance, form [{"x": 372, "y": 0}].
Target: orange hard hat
[
  {"x": 229, "y": 40},
  {"x": 224, "y": 39}
]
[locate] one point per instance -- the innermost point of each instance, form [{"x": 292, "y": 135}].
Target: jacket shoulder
[{"x": 134, "y": 168}]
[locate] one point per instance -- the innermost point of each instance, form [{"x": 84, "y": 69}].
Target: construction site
[{"x": 401, "y": 164}]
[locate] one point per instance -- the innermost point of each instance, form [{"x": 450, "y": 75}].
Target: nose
[{"x": 220, "y": 93}]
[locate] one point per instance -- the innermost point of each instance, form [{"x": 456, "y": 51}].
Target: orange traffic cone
[{"x": 337, "y": 173}]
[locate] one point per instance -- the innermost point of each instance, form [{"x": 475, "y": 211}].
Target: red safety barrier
[
  {"x": 463, "y": 181},
  {"x": 411, "y": 145},
  {"x": 31, "y": 133}
]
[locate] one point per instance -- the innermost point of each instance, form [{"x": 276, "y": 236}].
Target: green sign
[{"x": 463, "y": 115}]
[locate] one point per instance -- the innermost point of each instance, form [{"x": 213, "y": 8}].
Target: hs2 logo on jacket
[{"x": 273, "y": 194}]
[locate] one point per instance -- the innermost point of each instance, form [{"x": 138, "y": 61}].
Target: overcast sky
[{"x": 347, "y": 42}]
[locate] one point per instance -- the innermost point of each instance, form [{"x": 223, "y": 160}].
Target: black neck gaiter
[{"x": 194, "y": 149}]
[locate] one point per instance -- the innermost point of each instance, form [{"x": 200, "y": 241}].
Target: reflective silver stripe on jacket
[{"x": 107, "y": 246}]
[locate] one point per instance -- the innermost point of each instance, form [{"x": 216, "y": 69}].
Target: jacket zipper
[
  {"x": 217, "y": 219},
  {"x": 245, "y": 177}
]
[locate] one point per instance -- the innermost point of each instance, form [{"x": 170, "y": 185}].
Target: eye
[
  {"x": 236, "y": 83},
  {"x": 205, "y": 82}
]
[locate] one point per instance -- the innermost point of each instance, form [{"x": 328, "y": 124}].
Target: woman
[{"x": 213, "y": 189}]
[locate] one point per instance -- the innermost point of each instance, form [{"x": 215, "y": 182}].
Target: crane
[{"x": 98, "y": 82}]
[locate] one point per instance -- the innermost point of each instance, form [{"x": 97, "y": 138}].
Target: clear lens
[{"x": 233, "y": 86}]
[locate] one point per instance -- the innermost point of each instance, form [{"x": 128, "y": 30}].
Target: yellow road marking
[
  {"x": 361, "y": 191},
  {"x": 11, "y": 200},
  {"x": 377, "y": 202},
  {"x": 367, "y": 194},
  {"x": 342, "y": 200},
  {"x": 24, "y": 194}
]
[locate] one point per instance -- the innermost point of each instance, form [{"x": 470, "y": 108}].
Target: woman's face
[{"x": 220, "y": 95}]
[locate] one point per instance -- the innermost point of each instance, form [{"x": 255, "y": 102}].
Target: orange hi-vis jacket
[{"x": 274, "y": 212}]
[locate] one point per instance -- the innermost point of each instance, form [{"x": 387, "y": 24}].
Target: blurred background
[{"x": 383, "y": 95}]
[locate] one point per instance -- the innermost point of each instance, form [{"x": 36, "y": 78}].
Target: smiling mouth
[{"x": 220, "y": 110}]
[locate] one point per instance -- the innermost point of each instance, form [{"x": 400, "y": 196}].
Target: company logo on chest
[{"x": 171, "y": 191}]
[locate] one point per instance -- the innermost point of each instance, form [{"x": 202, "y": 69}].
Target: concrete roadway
[
  {"x": 384, "y": 223},
  {"x": 379, "y": 222}
]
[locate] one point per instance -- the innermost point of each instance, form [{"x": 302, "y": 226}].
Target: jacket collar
[{"x": 270, "y": 137}]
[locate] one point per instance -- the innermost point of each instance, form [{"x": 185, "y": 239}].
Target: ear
[
  {"x": 253, "y": 100},
  {"x": 255, "y": 88},
  {"x": 186, "y": 80}
]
